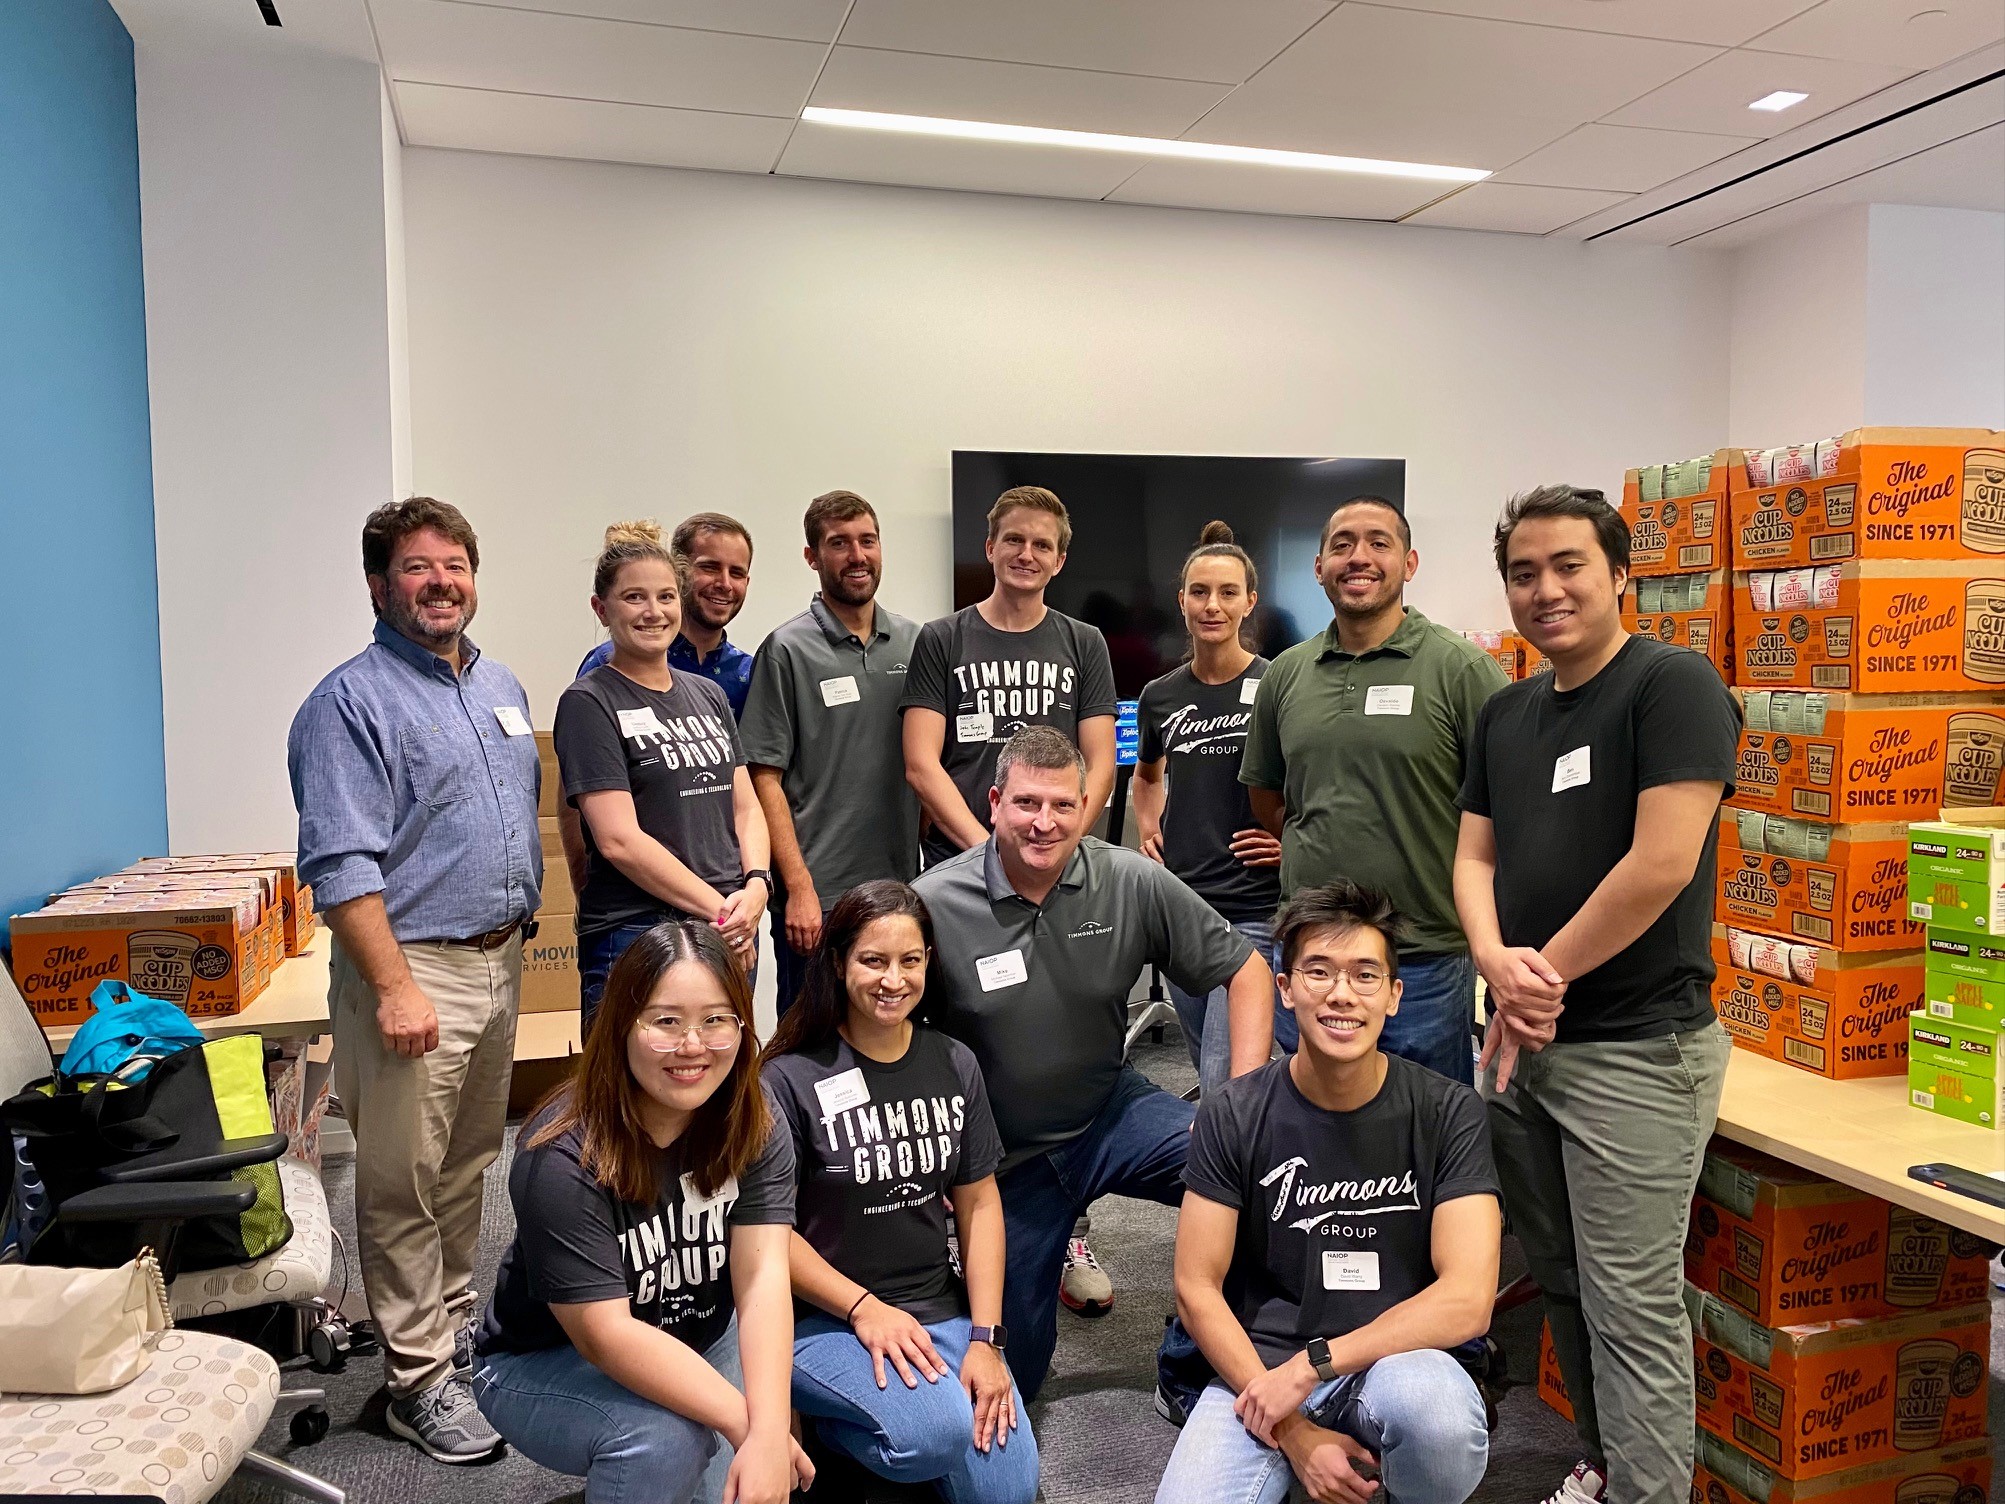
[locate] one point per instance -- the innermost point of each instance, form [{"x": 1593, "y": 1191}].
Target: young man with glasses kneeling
[{"x": 1339, "y": 1233}]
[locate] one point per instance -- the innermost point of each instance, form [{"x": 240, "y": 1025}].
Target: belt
[{"x": 490, "y": 940}]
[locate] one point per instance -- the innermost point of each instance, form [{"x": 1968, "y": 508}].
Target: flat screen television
[{"x": 1135, "y": 517}]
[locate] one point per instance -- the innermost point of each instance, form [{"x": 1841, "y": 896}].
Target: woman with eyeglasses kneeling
[
  {"x": 640, "y": 1330},
  {"x": 898, "y": 1359}
]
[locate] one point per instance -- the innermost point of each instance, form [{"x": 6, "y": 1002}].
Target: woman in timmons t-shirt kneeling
[
  {"x": 641, "y": 1316},
  {"x": 900, "y": 1365}
]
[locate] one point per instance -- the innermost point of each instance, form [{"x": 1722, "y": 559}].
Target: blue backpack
[{"x": 126, "y": 1024}]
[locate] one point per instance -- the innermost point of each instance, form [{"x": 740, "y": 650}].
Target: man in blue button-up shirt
[{"x": 415, "y": 774}]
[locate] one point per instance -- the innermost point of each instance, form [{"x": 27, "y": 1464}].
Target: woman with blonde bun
[{"x": 650, "y": 759}]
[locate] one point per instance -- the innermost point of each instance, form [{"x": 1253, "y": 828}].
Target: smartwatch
[
  {"x": 996, "y": 1336},
  {"x": 763, "y": 875},
  {"x": 1319, "y": 1359}
]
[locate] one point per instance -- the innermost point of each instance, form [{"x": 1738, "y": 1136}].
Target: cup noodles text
[{"x": 207, "y": 960}]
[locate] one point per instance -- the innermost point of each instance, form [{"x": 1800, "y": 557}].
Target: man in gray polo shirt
[
  {"x": 821, "y": 733},
  {"x": 1040, "y": 933}
]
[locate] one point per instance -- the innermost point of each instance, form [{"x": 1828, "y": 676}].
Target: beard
[
  {"x": 407, "y": 620},
  {"x": 839, "y": 590}
]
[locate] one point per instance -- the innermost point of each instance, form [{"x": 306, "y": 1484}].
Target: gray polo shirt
[
  {"x": 823, "y": 709},
  {"x": 1040, "y": 992}
]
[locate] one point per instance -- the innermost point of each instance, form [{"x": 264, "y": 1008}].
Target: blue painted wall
[{"x": 83, "y": 785}]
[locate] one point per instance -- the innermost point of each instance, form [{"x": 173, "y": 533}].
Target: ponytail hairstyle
[
  {"x": 818, "y": 1013},
  {"x": 1215, "y": 542},
  {"x": 629, "y": 542}
]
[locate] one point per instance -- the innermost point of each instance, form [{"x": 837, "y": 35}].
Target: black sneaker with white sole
[{"x": 444, "y": 1423}]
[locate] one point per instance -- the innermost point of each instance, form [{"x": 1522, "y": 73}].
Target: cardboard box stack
[
  {"x": 1868, "y": 651},
  {"x": 550, "y": 961},
  {"x": 1678, "y": 590},
  {"x": 1842, "y": 1344},
  {"x": 1515, "y": 656},
  {"x": 1956, "y": 888}
]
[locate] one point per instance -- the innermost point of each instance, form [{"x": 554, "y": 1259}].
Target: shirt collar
[
  {"x": 682, "y": 652},
  {"x": 998, "y": 882},
  {"x": 424, "y": 660},
  {"x": 836, "y": 632},
  {"x": 1405, "y": 640}
]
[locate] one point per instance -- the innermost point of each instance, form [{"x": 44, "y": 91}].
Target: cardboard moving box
[
  {"x": 1951, "y": 1475},
  {"x": 1873, "y": 757},
  {"x": 1891, "y": 627},
  {"x": 1851, "y": 896},
  {"x": 550, "y": 965},
  {"x": 551, "y": 794}
]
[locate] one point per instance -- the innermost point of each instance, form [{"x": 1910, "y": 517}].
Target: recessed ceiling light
[
  {"x": 1145, "y": 146},
  {"x": 1781, "y": 99}
]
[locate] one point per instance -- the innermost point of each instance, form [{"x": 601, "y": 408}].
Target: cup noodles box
[
  {"x": 1955, "y": 1071},
  {"x": 1783, "y": 1245},
  {"x": 1552, "y": 1383},
  {"x": 1673, "y": 533},
  {"x": 1964, "y": 979},
  {"x": 1959, "y": 1474},
  {"x": 1506, "y": 648},
  {"x": 1956, "y": 871},
  {"x": 1848, "y": 1020},
  {"x": 202, "y": 956},
  {"x": 1851, "y": 758},
  {"x": 297, "y": 919},
  {"x": 1844, "y": 886},
  {"x": 1893, "y": 493},
  {"x": 188, "y": 889},
  {"x": 1828, "y": 1395},
  {"x": 1880, "y": 626}
]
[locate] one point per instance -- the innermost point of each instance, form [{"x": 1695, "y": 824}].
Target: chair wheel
[{"x": 309, "y": 1425}]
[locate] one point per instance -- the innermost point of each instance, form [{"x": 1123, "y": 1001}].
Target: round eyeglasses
[{"x": 665, "y": 1032}]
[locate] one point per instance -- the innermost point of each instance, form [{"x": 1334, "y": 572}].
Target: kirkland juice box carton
[
  {"x": 1954, "y": 1071},
  {"x": 1783, "y": 1245},
  {"x": 1959, "y": 1474},
  {"x": 1854, "y": 759},
  {"x": 1964, "y": 980},
  {"x": 1956, "y": 871},
  {"x": 1844, "y": 886},
  {"x": 1878, "y": 626},
  {"x": 1679, "y": 530}
]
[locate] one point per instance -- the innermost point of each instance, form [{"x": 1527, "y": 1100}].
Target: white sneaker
[
  {"x": 1584, "y": 1485},
  {"x": 1084, "y": 1286}
]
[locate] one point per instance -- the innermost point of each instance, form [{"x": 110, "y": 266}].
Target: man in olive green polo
[{"x": 1355, "y": 758}]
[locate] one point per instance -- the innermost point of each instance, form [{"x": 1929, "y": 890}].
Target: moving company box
[
  {"x": 1683, "y": 534},
  {"x": 1845, "y": 886},
  {"x": 1783, "y": 1245},
  {"x": 1851, "y": 758},
  {"x": 1955, "y": 1071},
  {"x": 1829, "y": 1395},
  {"x": 1882, "y": 626},
  {"x": 1897, "y": 493},
  {"x": 1950, "y": 1475},
  {"x": 1835, "y": 1014},
  {"x": 1956, "y": 871},
  {"x": 550, "y": 966},
  {"x": 1552, "y": 1383},
  {"x": 1964, "y": 981},
  {"x": 210, "y": 958},
  {"x": 551, "y": 795}
]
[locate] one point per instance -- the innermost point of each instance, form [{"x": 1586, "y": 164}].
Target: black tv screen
[{"x": 1136, "y": 516}]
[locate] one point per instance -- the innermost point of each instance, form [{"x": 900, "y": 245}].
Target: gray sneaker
[
  {"x": 445, "y": 1424},
  {"x": 463, "y": 1340}
]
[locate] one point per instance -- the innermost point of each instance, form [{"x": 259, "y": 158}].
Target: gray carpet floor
[{"x": 1099, "y": 1437}]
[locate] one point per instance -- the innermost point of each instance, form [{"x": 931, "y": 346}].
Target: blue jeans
[
  {"x": 1134, "y": 1147},
  {"x": 596, "y": 954},
  {"x": 908, "y": 1435},
  {"x": 1437, "y": 1015},
  {"x": 1205, "y": 1019},
  {"x": 1418, "y": 1412},
  {"x": 790, "y": 966},
  {"x": 557, "y": 1410}
]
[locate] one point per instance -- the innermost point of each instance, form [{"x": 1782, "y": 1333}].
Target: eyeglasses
[
  {"x": 1365, "y": 981},
  {"x": 714, "y": 1031}
]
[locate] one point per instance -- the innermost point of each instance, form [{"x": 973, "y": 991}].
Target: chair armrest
[
  {"x": 174, "y": 1199},
  {"x": 176, "y": 1163}
]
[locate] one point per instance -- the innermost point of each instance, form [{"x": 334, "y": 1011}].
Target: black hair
[
  {"x": 1339, "y": 904},
  {"x": 1592, "y": 506}
]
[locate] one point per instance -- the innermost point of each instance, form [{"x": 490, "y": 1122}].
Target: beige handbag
[{"x": 79, "y": 1331}]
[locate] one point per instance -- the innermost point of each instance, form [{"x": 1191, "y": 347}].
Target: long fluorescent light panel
[{"x": 1143, "y": 146}]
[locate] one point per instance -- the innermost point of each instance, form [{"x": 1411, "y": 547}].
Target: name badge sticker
[
  {"x": 1571, "y": 770},
  {"x": 842, "y": 1092},
  {"x": 513, "y": 721},
  {"x": 1249, "y": 691},
  {"x": 842, "y": 691},
  {"x": 1005, "y": 969},
  {"x": 696, "y": 1201},
  {"x": 1389, "y": 699},
  {"x": 642, "y": 722},
  {"x": 1349, "y": 1271},
  {"x": 979, "y": 727}
]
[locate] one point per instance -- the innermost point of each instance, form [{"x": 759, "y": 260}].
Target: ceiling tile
[
  {"x": 803, "y": 20},
  {"x": 1723, "y": 23},
  {"x": 1623, "y": 158},
  {"x": 911, "y": 83},
  {"x": 538, "y": 125},
  {"x": 1219, "y": 41},
  {"x": 1917, "y": 33},
  {"x": 1715, "y": 97},
  {"x": 1399, "y": 132},
  {"x": 526, "y": 52},
  {"x": 859, "y": 156},
  {"x": 1275, "y": 190},
  {"x": 1513, "y": 206}
]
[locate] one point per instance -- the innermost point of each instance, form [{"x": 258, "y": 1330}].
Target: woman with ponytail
[
  {"x": 1191, "y": 811},
  {"x": 650, "y": 759}
]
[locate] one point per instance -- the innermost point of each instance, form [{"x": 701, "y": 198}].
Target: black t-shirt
[
  {"x": 575, "y": 1242},
  {"x": 676, "y": 753},
  {"x": 1336, "y": 1209},
  {"x": 876, "y": 1149},
  {"x": 1559, "y": 772},
  {"x": 989, "y": 684},
  {"x": 1200, "y": 730}
]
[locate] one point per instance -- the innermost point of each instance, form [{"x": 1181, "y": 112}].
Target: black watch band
[
  {"x": 996, "y": 1336},
  {"x": 1319, "y": 1359},
  {"x": 763, "y": 875}
]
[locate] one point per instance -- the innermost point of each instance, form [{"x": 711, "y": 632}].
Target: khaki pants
[
  {"x": 1598, "y": 1147},
  {"x": 425, "y": 1130}
]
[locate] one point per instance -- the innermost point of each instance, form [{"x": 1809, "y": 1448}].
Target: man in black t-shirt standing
[
  {"x": 1339, "y": 1232},
  {"x": 1584, "y": 880}
]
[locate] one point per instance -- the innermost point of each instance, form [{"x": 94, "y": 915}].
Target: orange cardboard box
[
  {"x": 1552, "y": 1383},
  {"x": 1865, "y": 1034},
  {"x": 1951, "y": 1475},
  {"x": 1829, "y": 1395},
  {"x": 1877, "y": 758},
  {"x": 1683, "y": 535},
  {"x": 1782, "y": 1245},
  {"x": 211, "y": 961},
  {"x": 1895, "y": 627},
  {"x": 1853, "y": 898},
  {"x": 297, "y": 919},
  {"x": 1506, "y": 648},
  {"x": 1707, "y": 633},
  {"x": 1899, "y": 493}
]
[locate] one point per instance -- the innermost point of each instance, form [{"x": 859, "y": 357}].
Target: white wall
[
  {"x": 591, "y": 342},
  {"x": 1935, "y": 320},
  {"x": 1799, "y": 332}
]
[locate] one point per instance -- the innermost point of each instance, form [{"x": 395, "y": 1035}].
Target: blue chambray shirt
[{"x": 408, "y": 785}]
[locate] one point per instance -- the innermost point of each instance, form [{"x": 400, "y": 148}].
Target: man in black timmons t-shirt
[{"x": 1584, "y": 880}]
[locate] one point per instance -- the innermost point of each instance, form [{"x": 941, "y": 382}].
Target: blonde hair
[
  {"x": 628, "y": 542},
  {"x": 1037, "y": 499}
]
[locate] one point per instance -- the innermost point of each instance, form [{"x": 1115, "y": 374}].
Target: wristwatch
[
  {"x": 1319, "y": 1359},
  {"x": 763, "y": 875},
  {"x": 996, "y": 1336}
]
